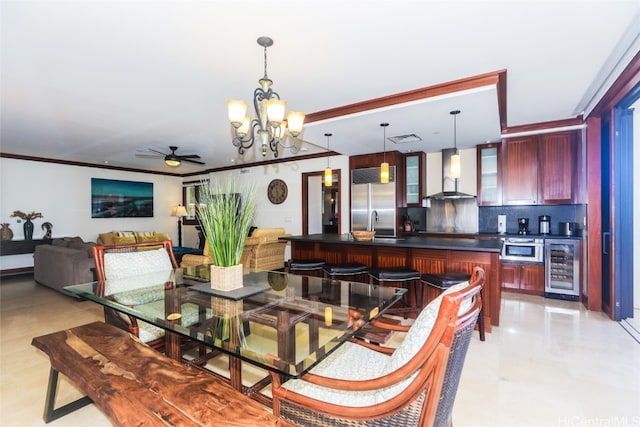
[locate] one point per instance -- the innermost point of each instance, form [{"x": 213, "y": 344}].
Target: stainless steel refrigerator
[{"x": 373, "y": 205}]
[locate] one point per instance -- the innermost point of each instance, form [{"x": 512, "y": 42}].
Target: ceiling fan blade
[
  {"x": 150, "y": 156},
  {"x": 193, "y": 161},
  {"x": 188, "y": 156},
  {"x": 156, "y": 151}
]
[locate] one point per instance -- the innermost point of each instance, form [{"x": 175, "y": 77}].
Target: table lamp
[{"x": 180, "y": 212}]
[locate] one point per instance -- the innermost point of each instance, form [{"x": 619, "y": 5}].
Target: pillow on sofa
[
  {"x": 163, "y": 236},
  {"x": 106, "y": 238},
  {"x": 146, "y": 236},
  {"x": 124, "y": 240}
]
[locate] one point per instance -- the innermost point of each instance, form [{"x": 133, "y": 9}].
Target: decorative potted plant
[{"x": 226, "y": 214}]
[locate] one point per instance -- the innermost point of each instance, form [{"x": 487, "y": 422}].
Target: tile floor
[{"x": 550, "y": 363}]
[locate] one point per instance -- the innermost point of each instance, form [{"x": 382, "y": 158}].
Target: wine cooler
[{"x": 562, "y": 268}]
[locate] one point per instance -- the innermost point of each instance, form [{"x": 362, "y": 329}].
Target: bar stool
[
  {"x": 352, "y": 269},
  {"x": 307, "y": 267},
  {"x": 442, "y": 282},
  {"x": 408, "y": 278}
]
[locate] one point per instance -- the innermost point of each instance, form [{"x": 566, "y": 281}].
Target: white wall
[
  {"x": 63, "y": 195},
  {"x": 289, "y": 213}
]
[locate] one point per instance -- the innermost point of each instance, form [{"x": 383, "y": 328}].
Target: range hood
[{"x": 449, "y": 184}]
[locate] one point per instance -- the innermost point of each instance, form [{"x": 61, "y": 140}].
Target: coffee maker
[
  {"x": 523, "y": 225},
  {"x": 544, "y": 224}
]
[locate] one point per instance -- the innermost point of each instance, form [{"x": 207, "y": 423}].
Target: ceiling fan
[{"x": 172, "y": 159}]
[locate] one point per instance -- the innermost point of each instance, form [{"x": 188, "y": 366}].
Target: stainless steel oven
[{"x": 522, "y": 249}]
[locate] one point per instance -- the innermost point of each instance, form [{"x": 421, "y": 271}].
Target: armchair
[
  {"x": 414, "y": 384},
  {"x": 262, "y": 251}
]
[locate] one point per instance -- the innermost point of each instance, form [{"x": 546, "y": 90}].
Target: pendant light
[
  {"x": 455, "y": 158},
  {"x": 384, "y": 166},
  {"x": 328, "y": 173}
]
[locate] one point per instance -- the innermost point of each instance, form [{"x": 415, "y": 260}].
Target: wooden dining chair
[
  {"x": 119, "y": 264},
  {"x": 412, "y": 385}
]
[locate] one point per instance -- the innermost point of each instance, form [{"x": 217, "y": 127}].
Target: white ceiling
[{"x": 99, "y": 81}]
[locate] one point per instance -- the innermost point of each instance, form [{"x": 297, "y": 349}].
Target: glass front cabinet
[
  {"x": 414, "y": 164},
  {"x": 489, "y": 175}
]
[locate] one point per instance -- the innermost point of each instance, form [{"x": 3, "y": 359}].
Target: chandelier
[{"x": 269, "y": 126}]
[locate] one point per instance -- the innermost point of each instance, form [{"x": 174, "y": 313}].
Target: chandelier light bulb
[
  {"x": 295, "y": 122},
  {"x": 237, "y": 111},
  {"x": 275, "y": 111}
]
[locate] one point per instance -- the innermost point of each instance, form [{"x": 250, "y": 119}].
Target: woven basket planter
[{"x": 226, "y": 278}]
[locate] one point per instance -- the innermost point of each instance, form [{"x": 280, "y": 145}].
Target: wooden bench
[{"x": 135, "y": 385}]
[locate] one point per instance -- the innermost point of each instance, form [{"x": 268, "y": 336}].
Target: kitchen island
[{"x": 425, "y": 254}]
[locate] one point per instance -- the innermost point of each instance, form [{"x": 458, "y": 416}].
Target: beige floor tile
[{"x": 550, "y": 363}]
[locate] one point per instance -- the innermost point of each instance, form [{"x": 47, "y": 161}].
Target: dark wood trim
[
  {"x": 83, "y": 164},
  {"x": 305, "y": 199},
  {"x": 533, "y": 127},
  {"x": 16, "y": 271},
  {"x": 603, "y": 113},
  {"x": 184, "y": 175},
  {"x": 627, "y": 80},
  {"x": 593, "y": 272},
  {"x": 499, "y": 78}
]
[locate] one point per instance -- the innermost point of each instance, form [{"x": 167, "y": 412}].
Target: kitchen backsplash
[{"x": 488, "y": 217}]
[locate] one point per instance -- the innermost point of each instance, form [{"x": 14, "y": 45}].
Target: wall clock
[{"x": 277, "y": 191}]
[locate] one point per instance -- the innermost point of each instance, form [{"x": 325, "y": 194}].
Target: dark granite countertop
[
  {"x": 456, "y": 244},
  {"x": 491, "y": 235}
]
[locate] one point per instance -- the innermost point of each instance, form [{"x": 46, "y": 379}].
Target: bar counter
[{"x": 425, "y": 254}]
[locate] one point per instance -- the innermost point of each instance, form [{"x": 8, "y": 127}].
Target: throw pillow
[
  {"x": 123, "y": 240},
  {"x": 146, "y": 236},
  {"x": 106, "y": 238},
  {"x": 162, "y": 236}
]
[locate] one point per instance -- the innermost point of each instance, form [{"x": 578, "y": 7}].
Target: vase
[
  {"x": 6, "y": 233},
  {"x": 226, "y": 278},
  {"x": 27, "y": 227}
]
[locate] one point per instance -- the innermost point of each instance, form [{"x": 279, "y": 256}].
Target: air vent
[{"x": 404, "y": 139}]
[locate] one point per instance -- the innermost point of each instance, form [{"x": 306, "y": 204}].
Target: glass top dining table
[{"x": 278, "y": 321}]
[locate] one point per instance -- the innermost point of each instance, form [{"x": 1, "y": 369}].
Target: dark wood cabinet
[
  {"x": 558, "y": 156},
  {"x": 489, "y": 179},
  {"x": 414, "y": 178},
  {"x": 17, "y": 247},
  {"x": 524, "y": 278},
  {"x": 520, "y": 171},
  {"x": 540, "y": 169}
]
